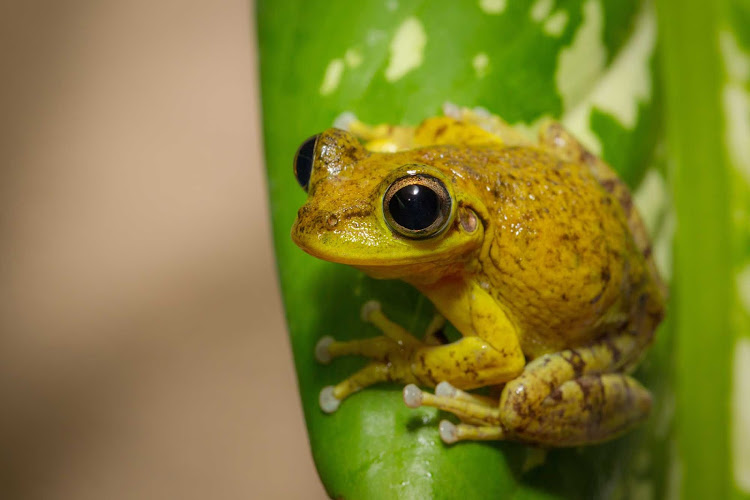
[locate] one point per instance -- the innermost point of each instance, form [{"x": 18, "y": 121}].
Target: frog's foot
[
  {"x": 480, "y": 417},
  {"x": 391, "y": 352},
  {"x": 396, "y": 370},
  {"x": 451, "y": 433},
  {"x": 395, "y": 342},
  {"x": 470, "y": 408}
]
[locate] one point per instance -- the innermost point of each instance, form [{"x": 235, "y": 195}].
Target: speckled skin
[{"x": 558, "y": 269}]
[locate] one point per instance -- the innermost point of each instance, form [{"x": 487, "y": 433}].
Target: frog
[{"x": 531, "y": 247}]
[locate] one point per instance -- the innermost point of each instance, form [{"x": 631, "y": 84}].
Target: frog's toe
[
  {"x": 329, "y": 403},
  {"x": 451, "y": 109},
  {"x": 344, "y": 120},
  {"x": 368, "y": 308},
  {"x": 412, "y": 396},
  {"x": 445, "y": 389},
  {"x": 448, "y": 432},
  {"x": 322, "y": 352}
]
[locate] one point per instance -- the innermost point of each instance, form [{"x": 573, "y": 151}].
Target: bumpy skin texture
[{"x": 545, "y": 269}]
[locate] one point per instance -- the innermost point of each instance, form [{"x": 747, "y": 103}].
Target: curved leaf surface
[{"x": 588, "y": 63}]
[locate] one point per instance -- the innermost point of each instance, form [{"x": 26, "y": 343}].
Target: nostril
[{"x": 332, "y": 221}]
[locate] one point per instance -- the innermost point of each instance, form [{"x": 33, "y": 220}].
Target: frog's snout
[{"x": 312, "y": 225}]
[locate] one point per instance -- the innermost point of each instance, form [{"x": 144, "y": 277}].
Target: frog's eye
[
  {"x": 303, "y": 161},
  {"x": 417, "y": 206}
]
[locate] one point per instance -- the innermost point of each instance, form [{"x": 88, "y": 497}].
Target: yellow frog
[{"x": 532, "y": 250}]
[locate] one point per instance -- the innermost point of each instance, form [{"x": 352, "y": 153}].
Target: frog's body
[{"x": 539, "y": 259}]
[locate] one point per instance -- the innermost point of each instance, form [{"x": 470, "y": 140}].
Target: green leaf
[
  {"x": 707, "y": 81},
  {"x": 587, "y": 63}
]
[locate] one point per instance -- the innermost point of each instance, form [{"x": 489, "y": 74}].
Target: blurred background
[{"x": 143, "y": 352}]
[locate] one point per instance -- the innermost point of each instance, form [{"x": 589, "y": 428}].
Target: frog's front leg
[
  {"x": 390, "y": 353},
  {"x": 561, "y": 399},
  {"x": 395, "y": 340},
  {"x": 399, "y": 357}
]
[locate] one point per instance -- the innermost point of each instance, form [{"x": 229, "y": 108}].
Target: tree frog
[{"x": 532, "y": 249}]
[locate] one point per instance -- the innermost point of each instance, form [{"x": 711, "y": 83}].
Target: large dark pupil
[{"x": 414, "y": 207}]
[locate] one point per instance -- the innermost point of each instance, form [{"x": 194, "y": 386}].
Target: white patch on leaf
[
  {"x": 741, "y": 415},
  {"x": 653, "y": 203},
  {"x": 407, "y": 49},
  {"x": 737, "y": 115},
  {"x": 577, "y": 66},
  {"x": 583, "y": 61},
  {"x": 651, "y": 199},
  {"x": 555, "y": 24},
  {"x": 332, "y": 77},
  {"x": 353, "y": 58},
  {"x": 540, "y": 10},
  {"x": 743, "y": 288},
  {"x": 480, "y": 63},
  {"x": 736, "y": 61},
  {"x": 626, "y": 83},
  {"x": 492, "y": 6},
  {"x": 736, "y": 101},
  {"x": 663, "y": 245}
]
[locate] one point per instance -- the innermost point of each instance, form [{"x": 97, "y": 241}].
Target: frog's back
[{"x": 562, "y": 259}]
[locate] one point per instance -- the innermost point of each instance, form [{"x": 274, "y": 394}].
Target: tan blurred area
[{"x": 142, "y": 347}]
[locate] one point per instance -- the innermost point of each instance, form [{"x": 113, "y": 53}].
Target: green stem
[{"x": 692, "y": 80}]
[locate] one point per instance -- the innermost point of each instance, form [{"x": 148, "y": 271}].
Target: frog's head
[{"x": 392, "y": 215}]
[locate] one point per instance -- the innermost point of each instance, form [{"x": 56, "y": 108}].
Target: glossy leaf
[{"x": 587, "y": 63}]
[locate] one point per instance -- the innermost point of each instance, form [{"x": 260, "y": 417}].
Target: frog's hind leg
[
  {"x": 576, "y": 396},
  {"x": 569, "y": 398},
  {"x": 586, "y": 410}
]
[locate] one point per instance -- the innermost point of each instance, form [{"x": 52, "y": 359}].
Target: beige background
[{"x": 142, "y": 346}]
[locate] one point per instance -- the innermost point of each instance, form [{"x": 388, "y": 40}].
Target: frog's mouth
[
  {"x": 382, "y": 266},
  {"x": 380, "y": 253}
]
